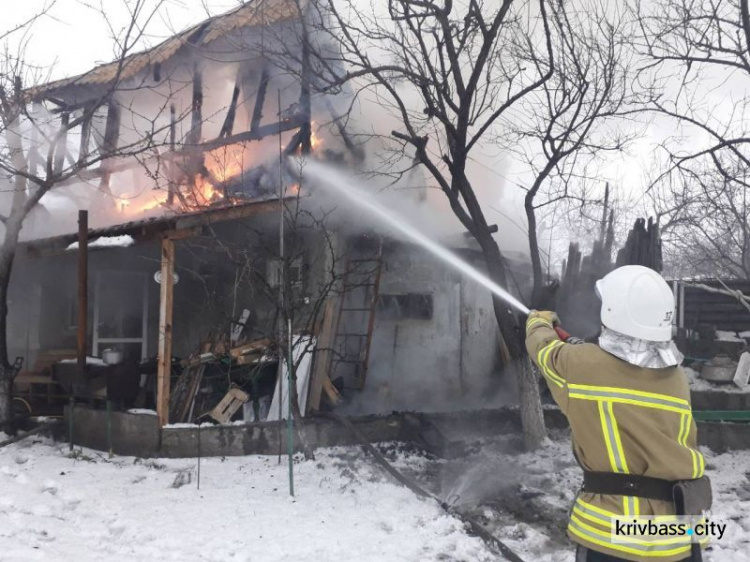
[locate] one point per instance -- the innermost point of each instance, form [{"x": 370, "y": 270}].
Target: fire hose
[{"x": 476, "y": 527}]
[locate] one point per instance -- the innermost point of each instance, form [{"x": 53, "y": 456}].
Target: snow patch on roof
[{"x": 107, "y": 242}]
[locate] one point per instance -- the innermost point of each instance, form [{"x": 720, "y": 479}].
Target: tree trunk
[
  {"x": 516, "y": 359},
  {"x": 536, "y": 258},
  {"x": 7, "y": 254},
  {"x": 6, "y": 398}
]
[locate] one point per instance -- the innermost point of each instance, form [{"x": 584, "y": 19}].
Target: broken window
[
  {"x": 274, "y": 270},
  {"x": 416, "y": 306}
]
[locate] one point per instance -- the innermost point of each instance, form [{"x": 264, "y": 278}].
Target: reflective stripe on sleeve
[
  {"x": 537, "y": 321},
  {"x": 543, "y": 362},
  {"x": 686, "y": 421}
]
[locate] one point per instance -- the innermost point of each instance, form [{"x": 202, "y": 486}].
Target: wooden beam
[
  {"x": 323, "y": 353},
  {"x": 172, "y": 143},
  {"x": 166, "y": 302},
  {"x": 260, "y": 99},
  {"x": 109, "y": 144},
  {"x": 83, "y": 291},
  {"x": 196, "y": 125},
  {"x": 228, "y": 126},
  {"x": 62, "y": 142},
  {"x": 83, "y": 151}
]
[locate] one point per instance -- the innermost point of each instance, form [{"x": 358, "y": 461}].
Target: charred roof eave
[{"x": 147, "y": 230}]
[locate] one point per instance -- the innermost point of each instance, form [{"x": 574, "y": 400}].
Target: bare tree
[
  {"x": 448, "y": 72},
  {"x": 572, "y": 122},
  {"x": 34, "y": 155},
  {"x": 701, "y": 49}
]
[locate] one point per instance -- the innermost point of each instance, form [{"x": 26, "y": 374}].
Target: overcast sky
[{"x": 74, "y": 37}]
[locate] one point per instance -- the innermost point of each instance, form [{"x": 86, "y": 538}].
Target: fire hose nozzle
[{"x": 562, "y": 334}]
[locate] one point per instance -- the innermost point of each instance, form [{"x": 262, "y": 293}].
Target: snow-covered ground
[
  {"x": 93, "y": 509},
  {"x": 524, "y": 498},
  {"x": 86, "y": 507}
]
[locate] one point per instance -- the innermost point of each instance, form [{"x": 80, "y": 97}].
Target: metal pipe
[
  {"x": 109, "y": 428},
  {"x": 290, "y": 418}
]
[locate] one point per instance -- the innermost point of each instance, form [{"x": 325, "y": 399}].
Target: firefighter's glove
[{"x": 546, "y": 315}]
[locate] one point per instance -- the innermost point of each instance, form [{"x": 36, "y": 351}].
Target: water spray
[{"x": 334, "y": 180}]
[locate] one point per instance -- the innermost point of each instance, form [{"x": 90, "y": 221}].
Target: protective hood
[{"x": 641, "y": 353}]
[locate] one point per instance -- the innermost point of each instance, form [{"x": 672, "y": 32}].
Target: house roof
[
  {"x": 251, "y": 13},
  {"x": 176, "y": 226}
]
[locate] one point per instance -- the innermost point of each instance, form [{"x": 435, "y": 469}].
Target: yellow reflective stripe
[
  {"x": 536, "y": 321},
  {"x": 697, "y": 458},
  {"x": 586, "y": 394},
  {"x": 593, "y": 517},
  {"x": 607, "y": 438},
  {"x": 542, "y": 361},
  {"x": 618, "y": 441},
  {"x": 612, "y": 439},
  {"x": 667, "y": 548},
  {"x": 636, "y": 541},
  {"x": 604, "y": 515},
  {"x": 597, "y": 509},
  {"x": 628, "y": 391}
]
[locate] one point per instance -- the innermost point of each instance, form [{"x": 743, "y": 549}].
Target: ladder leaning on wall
[{"x": 355, "y": 321}]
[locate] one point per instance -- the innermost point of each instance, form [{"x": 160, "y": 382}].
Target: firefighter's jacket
[{"x": 623, "y": 419}]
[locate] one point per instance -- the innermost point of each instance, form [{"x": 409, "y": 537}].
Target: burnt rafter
[
  {"x": 228, "y": 126},
  {"x": 260, "y": 99}
]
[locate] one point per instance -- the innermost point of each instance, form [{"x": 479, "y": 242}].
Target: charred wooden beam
[
  {"x": 196, "y": 125},
  {"x": 62, "y": 141},
  {"x": 258, "y": 134},
  {"x": 110, "y": 142},
  {"x": 247, "y": 136},
  {"x": 34, "y": 157},
  {"x": 228, "y": 126},
  {"x": 260, "y": 99},
  {"x": 176, "y": 227},
  {"x": 83, "y": 152}
]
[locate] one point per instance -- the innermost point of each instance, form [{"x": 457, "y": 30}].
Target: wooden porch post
[
  {"x": 83, "y": 292},
  {"x": 166, "y": 294}
]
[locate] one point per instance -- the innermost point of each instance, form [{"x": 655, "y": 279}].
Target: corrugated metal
[
  {"x": 252, "y": 13},
  {"x": 721, "y": 311}
]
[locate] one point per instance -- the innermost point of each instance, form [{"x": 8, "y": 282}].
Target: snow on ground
[
  {"x": 697, "y": 383},
  {"x": 524, "y": 498},
  {"x": 89, "y": 508},
  {"x": 55, "y": 507}
]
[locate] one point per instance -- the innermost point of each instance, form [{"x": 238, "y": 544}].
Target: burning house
[{"x": 200, "y": 260}]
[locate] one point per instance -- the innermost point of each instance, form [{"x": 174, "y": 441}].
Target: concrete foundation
[
  {"x": 443, "y": 434},
  {"x": 717, "y": 400}
]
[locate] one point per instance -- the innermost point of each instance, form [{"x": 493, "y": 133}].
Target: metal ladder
[{"x": 356, "y": 320}]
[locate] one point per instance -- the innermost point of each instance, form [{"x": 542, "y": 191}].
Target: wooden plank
[
  {"x": 257, "y": 346},
  {"x": 323, "y": 353},
  {"x": 331, "y": 392},
  {"x": 166, "y": 302}
]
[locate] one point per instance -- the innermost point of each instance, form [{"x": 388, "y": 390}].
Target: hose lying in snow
[{"x": 476, "y": 527}]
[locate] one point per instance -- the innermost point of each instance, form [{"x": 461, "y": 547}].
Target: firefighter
[{"x": 628, "y": 405}]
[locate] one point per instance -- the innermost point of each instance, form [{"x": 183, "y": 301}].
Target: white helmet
[{"x": 637, "y": 302}]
